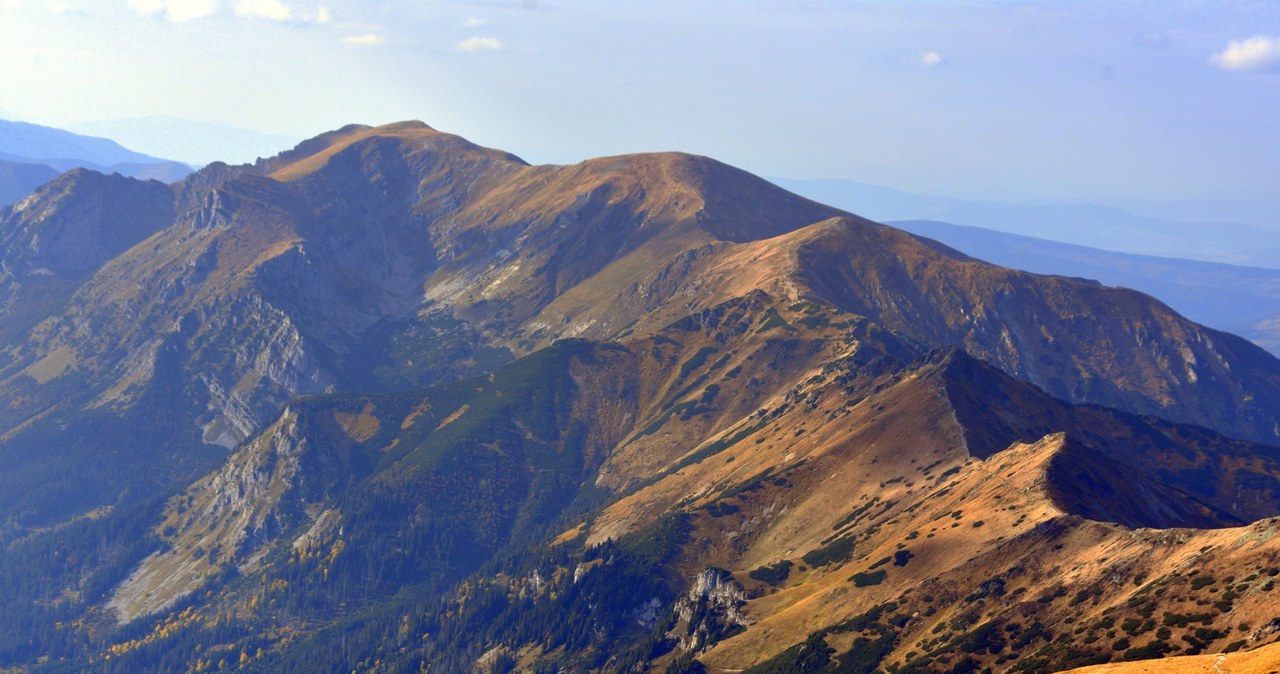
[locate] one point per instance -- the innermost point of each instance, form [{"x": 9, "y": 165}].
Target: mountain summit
[{"x": 393, "y": 400}]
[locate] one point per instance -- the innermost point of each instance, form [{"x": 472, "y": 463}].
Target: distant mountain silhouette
[
  {"x": 62, "y": 150},
  {"x": 1240, "y": 300},
  {"x": 1092, "y": 225}
]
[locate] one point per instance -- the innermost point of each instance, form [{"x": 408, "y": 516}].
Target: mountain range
[
  {"x": 393, "y": 401},
  {"x": 1223, "y": 232},
  {"x": 1240, "y": 300},
  {"x": 193, "y": 142},
  {"x": 31, "y": 154}
]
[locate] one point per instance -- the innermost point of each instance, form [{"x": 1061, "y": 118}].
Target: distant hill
[
  {"x": 18, "y": 179},
  {"x": 35, "y": 141},
  {"x": 191, "y": 141},
  {"x": 62, "y": 150},
  {"x": 1243, "y": 300},
  {"x": 1091, "y": 225}
]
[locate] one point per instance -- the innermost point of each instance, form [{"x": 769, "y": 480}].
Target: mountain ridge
[
  {"x": 392, "y": 400},
  {"x": 33, "y": 141},
  {"x": 323, "y": 292}
]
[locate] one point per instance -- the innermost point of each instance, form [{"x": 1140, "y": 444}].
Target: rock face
[
  {"x": 229, "y": 519},
  {"x": 711, "y": 609},
  {"x": 467, "y": 413}
]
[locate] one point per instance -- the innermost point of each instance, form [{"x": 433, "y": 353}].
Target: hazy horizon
[
  {"x": 1036, "y": 101},
  {"x": 1141, "y": 105}
]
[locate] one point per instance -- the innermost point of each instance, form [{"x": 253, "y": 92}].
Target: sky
[{"x": 1033, "y": 101}]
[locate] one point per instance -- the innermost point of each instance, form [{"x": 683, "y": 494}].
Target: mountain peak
[
  {"x": 79, "y": 220},
  {"x": 412, "y": 136}
]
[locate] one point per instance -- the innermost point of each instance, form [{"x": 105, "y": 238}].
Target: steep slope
[
  {"x": 849, "y": 463},
  {"x": 75, "y": 224},
  {"x": 997, "y": 410},
  {"x": 629, "y": 411},
  {"x": 269, "y": 287},
  {"x": 887, "y": 488},
  {"x": 253, "y": 267},
  {"x": 932, "y": 405},
  {"x": 1072, "y": 338},
  {"x": 363, "y": 240}
]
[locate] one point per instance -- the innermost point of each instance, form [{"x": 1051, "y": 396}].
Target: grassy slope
[{"x": 1264, "y": 660}]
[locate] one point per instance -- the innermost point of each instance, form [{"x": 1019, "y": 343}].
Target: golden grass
[
  {"x": 316, "y": 161},
  {"x": 457, "y": 414},
  {"x": 1264, "y": 660},
  {"x": 359, "y": 427},
  {"x": 412, "y": 417},
  {"x": 52, "y": 365}
]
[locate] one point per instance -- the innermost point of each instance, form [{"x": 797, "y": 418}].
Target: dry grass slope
[{"x": 1265, "y": 660}]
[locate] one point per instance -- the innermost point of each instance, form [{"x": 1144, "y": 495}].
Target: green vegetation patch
[
  {"x": 868, "y": 578},
  {"x": 695, "y": 361},
  {"x": 772, "y": 319},
  {"x": 774, "y": 574},
  {"x": 839, "y": 550}
]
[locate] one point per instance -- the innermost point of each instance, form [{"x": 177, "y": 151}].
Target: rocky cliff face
[
  {"x": 76, "y": 223},
  {"x": 220, "y": 522}
]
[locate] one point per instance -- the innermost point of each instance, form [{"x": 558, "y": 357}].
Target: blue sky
[{"x": 1023, "y": 101}]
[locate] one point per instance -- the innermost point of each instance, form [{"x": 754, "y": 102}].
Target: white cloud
[
  {"x": 473, "y": 22},
  {"x": 274, "y": 10},
  {"x": 147, "y": 6},
  {"x": 323, "y": 15},
  {"x": 186, "y": 10},
  {"x": 929, "y": 59},
  {"x": 10, "y": 4},
  {"x": 1260, "y": 52},
  {"x": 366, "y": 40},
  {"x": 479, "y": 44},
  {"x": 57, "y": 6},
  {"x": 176, "y": 11}
]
